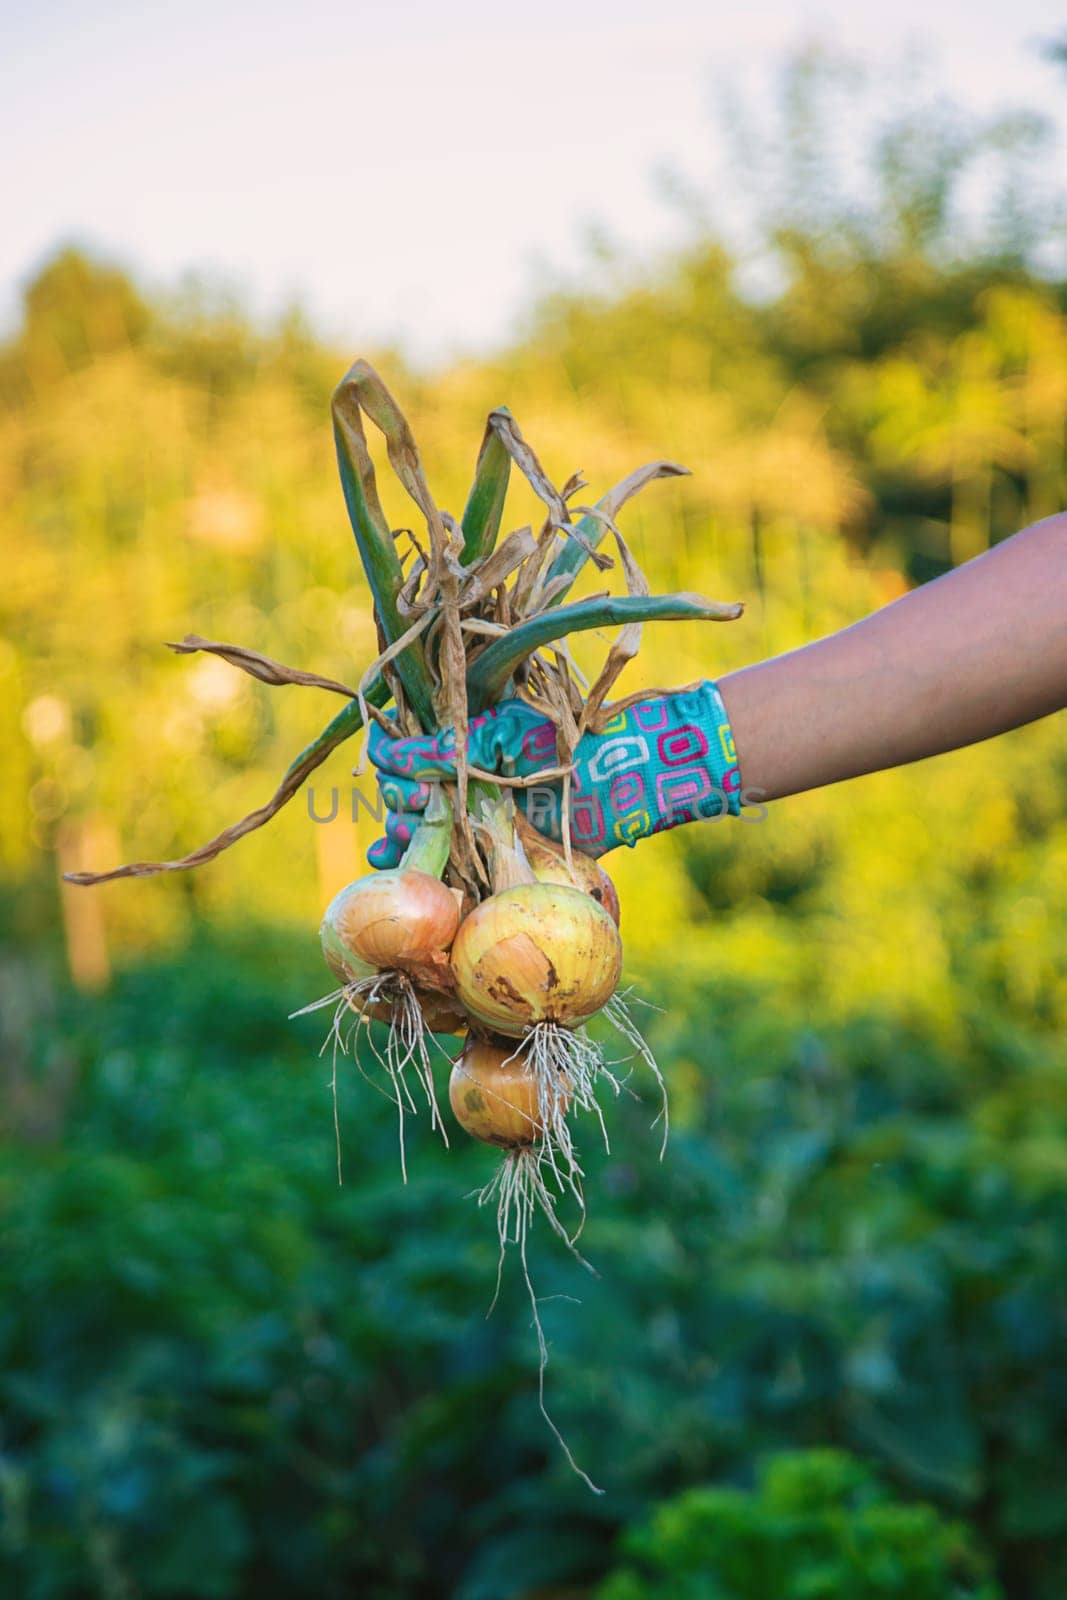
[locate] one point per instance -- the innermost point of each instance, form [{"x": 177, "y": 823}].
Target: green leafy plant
[{"x": 819, "y": 1526}]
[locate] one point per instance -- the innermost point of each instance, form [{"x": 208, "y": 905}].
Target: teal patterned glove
[{"x": 658, "y": 763}]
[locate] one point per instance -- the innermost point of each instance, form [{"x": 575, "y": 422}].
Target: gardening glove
[{"x": 660, "y": 762}]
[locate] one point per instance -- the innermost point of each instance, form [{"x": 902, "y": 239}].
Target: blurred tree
[
  {"x": 76, "y": 308},
  {"x": 951, "y": 418}
]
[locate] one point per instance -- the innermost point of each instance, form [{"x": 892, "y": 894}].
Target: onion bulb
[
  {"x": 494, "y": 1095},
  {"x": 548, "y": 863},
  {"x": 396, "y": 920},
  {"x": 345, "y": 966},
  {"x": 536, "y": 953},
  {"x": 440, "y": 1013}
]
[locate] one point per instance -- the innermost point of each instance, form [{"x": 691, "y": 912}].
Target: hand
[{"x": 666, "y": 760}]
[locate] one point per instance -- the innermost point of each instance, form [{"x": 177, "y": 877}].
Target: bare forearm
[{"x": 966, "y": 657}]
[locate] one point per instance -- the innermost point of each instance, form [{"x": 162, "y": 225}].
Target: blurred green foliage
[
  {"x": 223, "y": 1376},
  {"x": 819, "y": 1527}
]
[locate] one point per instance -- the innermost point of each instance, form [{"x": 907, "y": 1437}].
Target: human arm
[{"x": 963, "y": 658}]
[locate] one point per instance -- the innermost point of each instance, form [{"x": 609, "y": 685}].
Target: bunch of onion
[
  {"x": 386, "y": 938},
  {"x": 532, "y": 964}
]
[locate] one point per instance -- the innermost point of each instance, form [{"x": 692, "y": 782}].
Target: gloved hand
[{"x": 661, "y": 762}]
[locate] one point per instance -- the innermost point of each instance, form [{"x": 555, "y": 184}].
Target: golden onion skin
[
  {"x": 345, "y": 967},
  {"x": 538, "y": 952},
  {"x": 392, "y": 919},
  {"x": 440, "y": 1013},
  {"x": 549, "y": 865},
  {"x": 493, "y": 1095}
]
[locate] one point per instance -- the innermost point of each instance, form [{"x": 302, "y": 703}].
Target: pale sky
[{"x": 402, "y": 168}]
